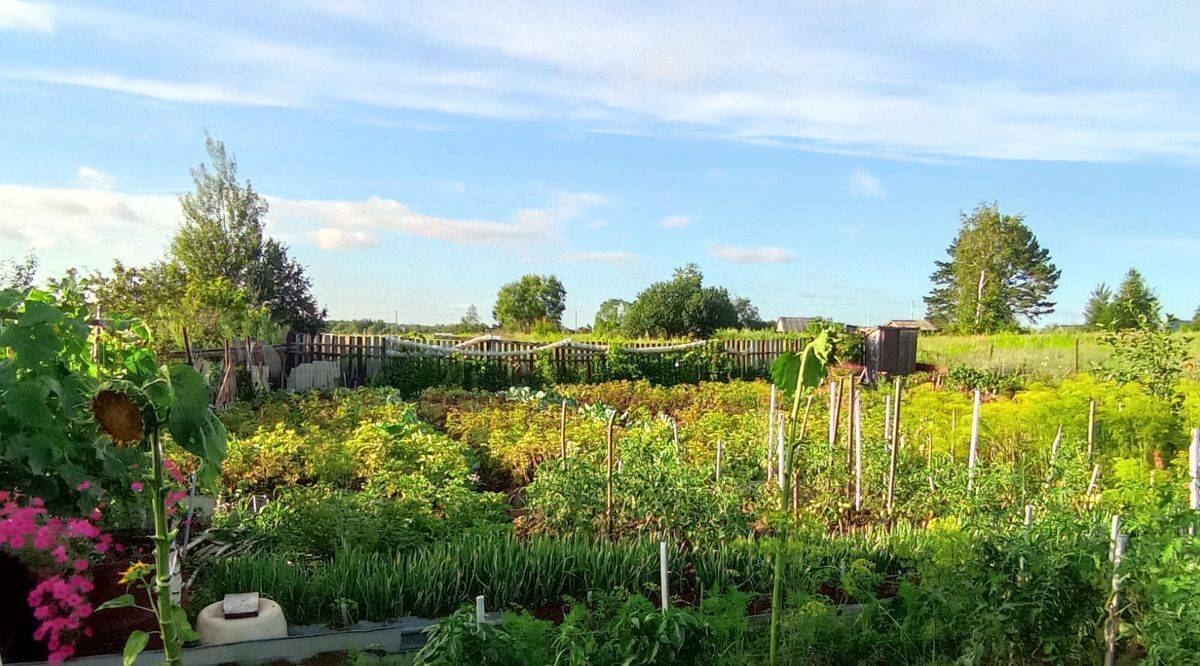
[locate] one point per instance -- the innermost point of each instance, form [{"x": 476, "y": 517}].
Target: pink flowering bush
[{"x": 50, "y": 544}]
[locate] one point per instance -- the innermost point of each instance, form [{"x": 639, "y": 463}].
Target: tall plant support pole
[
  {"x": 1028, "y": 538},
  {"x": 1194, "y": 466},
  {"x": 891, "y": 498},
  {"x": 1116, "y": 552},
  {"x": 720, "y": 456},
  {"x": 562, "y": 428},
  {"x": 973, "y": 455},
  {"x": 1094, "y": 482},
  {"x": 480, "y": 610},
  {"x": 771, "y": 437},
  {"x": 1091, "y": 431},
  {"x": 780, "y": 455},
  {"x": 1054, "y": 453},
  {"x": 784, "y": 500},
  {"x": 851, "y": 398},
  {"x": 612, "y": 455},
  {"x": 675, "y": 433},
  {"x": 162, "y": 555},
  {"x": 835, "y": 413},
  {"x": 887, "y": 420},
  {"x": 663, "y": 578},
  {"x": 858, "y": 450}
]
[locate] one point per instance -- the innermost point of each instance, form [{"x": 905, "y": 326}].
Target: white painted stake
[
  {"x": 1054, "y": 446},
  {"x": 771, "y": 437},
  {"x": 1116, "y": 552},
  {"x": 887, "y": 421},
  {"x": 1028, "y": 531},
  {"x": 780, "y": 453},
  {"x": 858, "y": 459},
  {"x": 1095, "y": 480},
  {"x": 973, "y": 455},
  {"x": 479, "y": 610},
  {"x": 1194, "y": 465},
  {"x": 662, "y": 574}
]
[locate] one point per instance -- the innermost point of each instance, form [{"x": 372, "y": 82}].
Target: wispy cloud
[
  {"x": 22, "y": 15},
  {"x": 864, "y": 184},
  {"x": 95, "y": 179},
  {"x": 601, "y": 257},
  {"x": 675, "y": 221},
  {"x": 750, "y": 255},
  {"x": 833, "y": 77},
  {"x": 170, "y": 91}
]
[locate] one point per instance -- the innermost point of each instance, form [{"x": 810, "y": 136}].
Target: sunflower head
[{"x": 121, "y": 416}]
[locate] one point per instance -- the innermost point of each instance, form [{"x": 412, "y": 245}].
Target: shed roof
[{"x": 919, "y": 324}]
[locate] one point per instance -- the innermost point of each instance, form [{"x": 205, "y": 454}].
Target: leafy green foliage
[
  {"x": 529, "y": 300},
  {"x": 681, "y": 307},
  {"x": 1149, "y": 355},
  {"x": 49, "y": 443}
]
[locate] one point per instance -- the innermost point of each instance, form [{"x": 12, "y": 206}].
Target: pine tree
[
  {"x": 1135, "y": 304},
  {"x": 1099, "y": 310}
]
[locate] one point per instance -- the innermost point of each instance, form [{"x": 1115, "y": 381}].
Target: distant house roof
[
  {"x": 792, "y": 324},
  {"x": 919, "y": 324}
]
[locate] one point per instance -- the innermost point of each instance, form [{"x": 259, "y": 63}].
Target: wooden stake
[
  {"x": 891, "y": 498},
  {"x": 187, "y": 348},
  {"x": 720, "y": 455},
  {"x": 480, "y": 610},
  {"x": 887, "y": 420},
  {"x": 612, "y": 455},
  {"x": 973, "y": 454},
  {"x": 1076, "y": 355},
  {"x": 1116, "y": 553},
  {"x": 1091, "y": 431},
  {"x": 675, "y": 433},
  {"x": 835, "y": 411},
  {"x": 562, "y": 439},
  {"x": 1055, "y": 445}
]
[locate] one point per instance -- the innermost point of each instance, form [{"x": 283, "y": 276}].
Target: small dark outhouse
[{"x": 891, "y": 350}]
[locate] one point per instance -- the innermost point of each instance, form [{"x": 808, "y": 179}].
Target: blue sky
[{"x": 813, "y": 157}]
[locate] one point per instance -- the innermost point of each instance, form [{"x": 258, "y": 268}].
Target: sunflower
[{"x": 119, "y": 416}]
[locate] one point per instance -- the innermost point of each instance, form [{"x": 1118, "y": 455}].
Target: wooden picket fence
[{"x": 360, "y": 356}]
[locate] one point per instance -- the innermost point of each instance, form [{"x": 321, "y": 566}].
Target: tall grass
[{"x": 1051, "y": 355}]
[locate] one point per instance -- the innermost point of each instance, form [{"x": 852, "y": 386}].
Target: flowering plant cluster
[{"x": 59, "y": 602}]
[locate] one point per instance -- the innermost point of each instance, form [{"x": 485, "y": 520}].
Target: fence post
[{"x": 973, "y": 454}]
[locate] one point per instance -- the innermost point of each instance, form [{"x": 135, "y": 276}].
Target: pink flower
[
  {"x": 81, "y": 565},
  {"x": 136, "y": 486},
  {"x": 84, "y": 486}
]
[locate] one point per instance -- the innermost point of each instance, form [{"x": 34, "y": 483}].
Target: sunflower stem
[{"x": 162, "y": 558}]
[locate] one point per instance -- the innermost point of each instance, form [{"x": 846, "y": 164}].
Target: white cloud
[
  {"x": 332, "y": 238},
  {"x": 864, "y": 184},
  {"x": 595, "y": 224},
  {"x": 675, "y": 221},
  {"x": 92, "y": 227},
  {"x": 342, "y": 225},
  {"x": 750, "y": 255},
  {"x": 22, "y": 15},
  {"x": 95, "y": 179},
  {"x": 601, "y": 257}
]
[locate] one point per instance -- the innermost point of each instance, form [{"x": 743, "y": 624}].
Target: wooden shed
[{"x": 891, "y": 350}]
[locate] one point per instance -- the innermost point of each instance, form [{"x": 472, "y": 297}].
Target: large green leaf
[
  {"x": 805, "y": 369},
  {"x": 191, "y": 421},
  {"x": 26, "y": 404},
  {"x": 137, "y": 642},
  {"x": 123, "y": 601}
]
